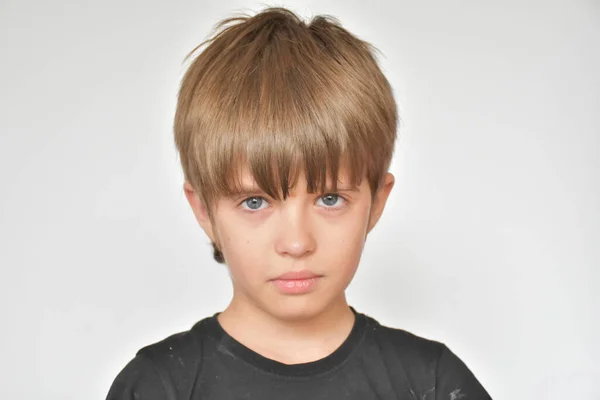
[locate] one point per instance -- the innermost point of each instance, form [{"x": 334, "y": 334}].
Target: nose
[{"x": 295, "y": 237}]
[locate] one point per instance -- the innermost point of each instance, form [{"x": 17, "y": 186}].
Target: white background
[{"x": 490, "y": 242}]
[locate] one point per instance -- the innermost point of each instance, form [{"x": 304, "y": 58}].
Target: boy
[{"x": 285, "y": 132}]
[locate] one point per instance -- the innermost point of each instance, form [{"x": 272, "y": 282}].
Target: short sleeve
[
  {"x": 139, "y": 380},
  {"x": 454, "y": 380}
]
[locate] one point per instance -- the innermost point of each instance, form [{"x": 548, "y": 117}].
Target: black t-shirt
[{"x": 374, "y": 362}]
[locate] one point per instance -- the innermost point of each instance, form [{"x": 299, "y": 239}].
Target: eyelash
[{"x": 327, "y": 209}]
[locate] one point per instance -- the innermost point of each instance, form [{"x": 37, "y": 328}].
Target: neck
[{"x": 289, "y": 341}]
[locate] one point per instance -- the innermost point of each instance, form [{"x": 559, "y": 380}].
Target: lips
[
  {"x": 297, "y": 275},
  {"x": 296, "y": 282}
]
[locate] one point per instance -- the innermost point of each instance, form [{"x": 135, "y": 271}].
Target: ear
[
  {"x": 380, "y": 200},
  {"x": 200, "y": 210}
]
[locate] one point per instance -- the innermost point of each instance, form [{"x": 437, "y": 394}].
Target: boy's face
[{"x": 318, "y": 235}]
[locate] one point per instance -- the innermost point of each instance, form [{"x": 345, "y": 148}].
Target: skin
[{"x": 261, "y": 239}]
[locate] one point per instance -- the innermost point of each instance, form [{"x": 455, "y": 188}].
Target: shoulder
[
  {"x": 178, "y": 357},
  {"x": 406, "y": 344},
  {"x": 176, "y": 350},
  {"x": 163, "y": 369},
  {"x": 138, "y": 379},
  {"x": 427, "y": 366}
]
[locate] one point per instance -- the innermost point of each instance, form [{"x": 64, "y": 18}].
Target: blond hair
[{"x": 276, "y": 94}]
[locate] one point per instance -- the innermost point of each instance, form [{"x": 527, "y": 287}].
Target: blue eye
[
  {"x": 331, "y": 200},
  {"x": 254, "y": 203}
]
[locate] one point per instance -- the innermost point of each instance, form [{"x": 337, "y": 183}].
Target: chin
[{"x": 295, "y": 308}]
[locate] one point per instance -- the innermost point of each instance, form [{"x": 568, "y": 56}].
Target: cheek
[
  {"x": 244, "y": 252},
  {"x": 343, "y": 240}
]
